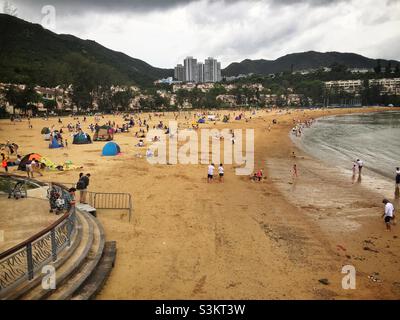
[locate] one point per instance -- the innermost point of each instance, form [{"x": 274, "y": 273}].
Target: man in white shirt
[
  {"x": 210, "y": 175},
  {"x": 388, "y": 213}
]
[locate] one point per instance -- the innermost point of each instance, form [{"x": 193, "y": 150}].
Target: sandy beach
[{"x": 239, "y": 239}]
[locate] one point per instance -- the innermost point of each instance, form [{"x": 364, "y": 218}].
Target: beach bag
[
  {"x": 80, "y": 185},
  {"x": 60, "y": 203}
]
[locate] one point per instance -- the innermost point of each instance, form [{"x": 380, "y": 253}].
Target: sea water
[{"x": 371, "y": 137}]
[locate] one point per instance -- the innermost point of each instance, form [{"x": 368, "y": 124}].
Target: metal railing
[
  {"x": 108, "y": 201},
  {"x": 25, "y": 260}
]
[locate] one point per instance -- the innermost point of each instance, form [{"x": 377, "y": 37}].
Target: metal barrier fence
[
  {"x": 118, "y": 201},
  {"x": 22, "y": 262},
  {"x": 106, "y": 200}
]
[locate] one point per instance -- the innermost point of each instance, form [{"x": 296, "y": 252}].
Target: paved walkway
[{"x": 23, "y": 218}]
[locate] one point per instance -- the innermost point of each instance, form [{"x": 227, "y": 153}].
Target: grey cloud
[
  {"x": 77, "y": 6},
  {"x": 309, "y": 2},
  {"x": 230, "y": 29}
]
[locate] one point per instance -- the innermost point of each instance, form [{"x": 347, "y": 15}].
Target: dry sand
[{"x": 236, "y": 240}]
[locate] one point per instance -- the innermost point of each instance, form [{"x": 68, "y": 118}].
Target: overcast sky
[{"x": 163, "y": 32}]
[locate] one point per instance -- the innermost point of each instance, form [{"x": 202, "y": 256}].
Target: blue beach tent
[
  {"x": 111, "y": 149},
  {"x": 54, "y": 144}
]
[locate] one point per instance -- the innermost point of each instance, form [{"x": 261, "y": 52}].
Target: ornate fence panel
[{"x": 22, "y": 262}]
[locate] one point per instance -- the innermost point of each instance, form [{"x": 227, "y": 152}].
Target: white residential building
[
  {"x": 350, "y": 86},
  {"x": 388, "y": 86},
  {"x": 361, "y": 70}
]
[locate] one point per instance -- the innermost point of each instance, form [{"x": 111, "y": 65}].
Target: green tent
[
  {"x": 82, "y": 138},
  {"x": 45, "y": 130}
]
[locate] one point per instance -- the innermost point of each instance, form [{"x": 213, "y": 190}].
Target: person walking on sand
[
  {"x": 388, "y": 213},
  {"x": 397, "y": 179},
  {"x": 221, "y": 173},
  {"x": 360, "y": 164},
  {"x": 295, "y": 172},
  {"x": 259, "y": 175},
  {"x": 354, "y": 169},
  {"x": 210, "y": 172}
]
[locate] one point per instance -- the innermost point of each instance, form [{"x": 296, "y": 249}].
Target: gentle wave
[{"x": 340, "y": 140}]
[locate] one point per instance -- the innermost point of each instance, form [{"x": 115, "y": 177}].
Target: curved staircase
[{"x": 81, "y": 270}]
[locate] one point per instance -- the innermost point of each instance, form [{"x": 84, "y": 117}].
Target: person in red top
[
  {"x": 259, "y": 175},
  {"x": 295, "y": 172},
  {"x": 4, "y": 162}
]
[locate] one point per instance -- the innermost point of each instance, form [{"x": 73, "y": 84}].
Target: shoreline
[
  {"x": 324, "y": 196},
  {"x": 385, "y": 180}
]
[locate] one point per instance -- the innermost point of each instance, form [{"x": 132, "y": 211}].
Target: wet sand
[{"x": 240, "y": 239}]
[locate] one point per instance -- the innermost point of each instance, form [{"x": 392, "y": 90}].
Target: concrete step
[
  {"x": 24, "y": 289},
  {"x": 71, "y": 264},
  {"x": 86, "y": 208},
  {"x": 77, "y": 279},
  {"x": 97, "y": 279}
]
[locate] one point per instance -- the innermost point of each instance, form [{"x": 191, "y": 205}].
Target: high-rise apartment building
[
  {"x": 200, "y": 72},
  {"x": 179, "y": 73},
  {"x": 193, "y": 71},
  {"x": 212, "y": 70},
  {"x": 190, "y": 65},
  {"x": 219, "y": 72}
]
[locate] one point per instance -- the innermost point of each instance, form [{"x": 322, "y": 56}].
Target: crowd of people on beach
[
  {"x": 256, "y": 176},
  {"x": 299, "y": 127},
  {"x": 142, "y": 124}
]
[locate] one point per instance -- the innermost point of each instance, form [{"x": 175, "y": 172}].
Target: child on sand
[
  {"x": 295, "y": 172},
  {"x": 388, "y": 214},
  {"x": 210, "y": 172},
  {"x": 259, "y": 175},
  {"x": 354, "y": 169},
  {"x": 35, "y": 165},
  {"x": 221, "y": 173},
  {"x": 360, "y": 164},
  {"x": 4, "y": 162},
  {"x": 29, "y": 169}
]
